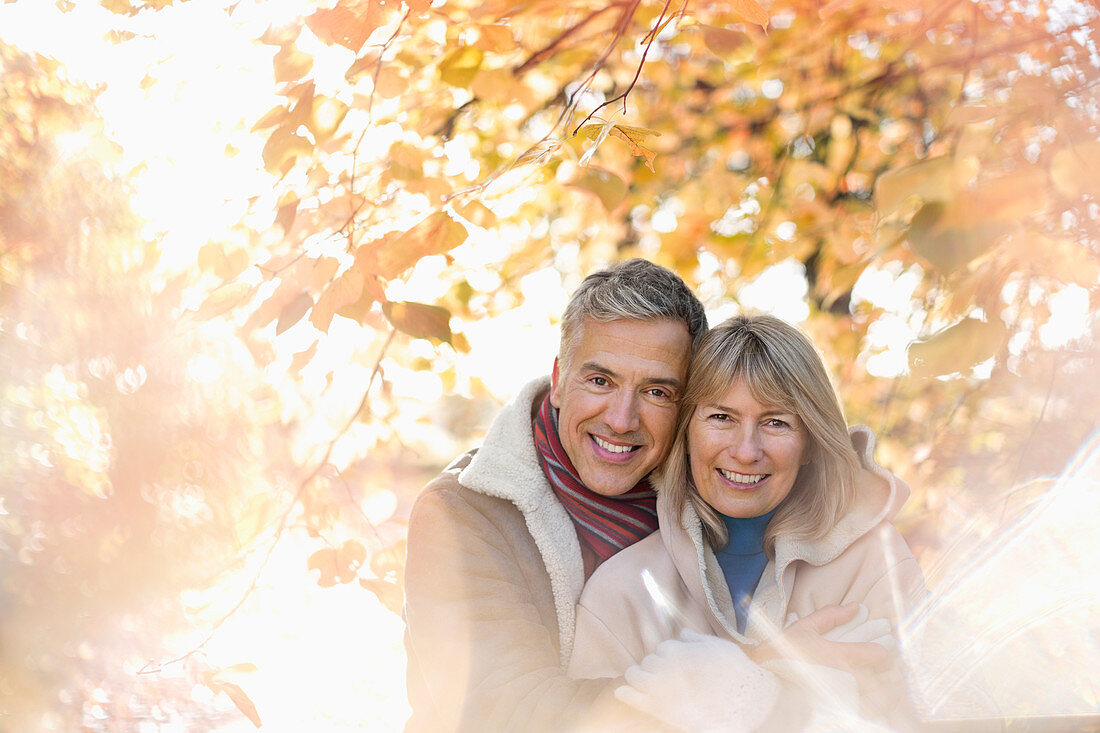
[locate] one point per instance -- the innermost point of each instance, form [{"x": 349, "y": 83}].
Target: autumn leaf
[
  {"x": 609, "y": 188},
  {"x": 724, "y": 42},
  {"x": 950, "y": 241},
  {"x": 293, "y": 311},
  {"x": 290, "y": 64},
  {"x": 478, "y": 214},
  {"x": 419, "y": 320},
  {"x": 931, "y": 180},
  {"x": 633, "y": 136},
  {"x": 751, "y": 11},
  {"x": 225, "y": 299},
  {"x": 956, "y": 348},
  {"x": 272, "y": 117},
  {"x": 349, "y": 23},
  {"x": 345, "y": 289},
  {"x": 1075, "y": 170},
  {"x": 240, "y": 699},
  {"x": 406, "y": 161},
  {"x": 459, "y": 67},
  {"x": 338, "y": 565},
  {"x": 495, "y": 38},
  {"x": 214, "y": 258},
  {"x": 393, "y": 254},
  {"x": 282, "y": 148},
  {"x": 287, "y": 210}
]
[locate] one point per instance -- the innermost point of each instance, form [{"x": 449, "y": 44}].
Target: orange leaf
[
  {"x": 751, "y": 11},
  {"x": 348, "y": 24},
  {"x": 240, "y": 699},
  {"x": 344, "y": 290},
  {"x": 293, "y": 311},
  {"x": 434, "y": 235}
]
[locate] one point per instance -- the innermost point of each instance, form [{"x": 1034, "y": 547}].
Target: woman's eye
[
  {"x": 775, "y": 422},
  {"x": 721, "y": 416}
]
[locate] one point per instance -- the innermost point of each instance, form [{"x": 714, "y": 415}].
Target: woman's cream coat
[{"x": 671, "y": 580}]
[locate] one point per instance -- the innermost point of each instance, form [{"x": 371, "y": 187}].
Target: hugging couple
[{"x": 677, "y": 530}]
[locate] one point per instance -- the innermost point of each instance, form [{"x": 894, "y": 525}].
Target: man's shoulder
[{"x": 446, "y": 491}]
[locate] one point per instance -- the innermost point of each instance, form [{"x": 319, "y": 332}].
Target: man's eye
[
  {"x": 599, "y": 381},
  {"x": 659, "y": 394}
]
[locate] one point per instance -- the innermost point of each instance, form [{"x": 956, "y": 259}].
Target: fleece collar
[
  {"x": 506, "y": 466},
  {"x": 879, "y": 497}
]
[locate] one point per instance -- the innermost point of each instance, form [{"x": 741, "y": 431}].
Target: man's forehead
[{"x": 662, "y": 346}]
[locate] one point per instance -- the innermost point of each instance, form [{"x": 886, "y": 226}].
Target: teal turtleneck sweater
[{"x": 743, "y": 560}]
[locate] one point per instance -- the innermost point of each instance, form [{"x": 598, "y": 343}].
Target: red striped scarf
[{"x": 604, "y": 524}]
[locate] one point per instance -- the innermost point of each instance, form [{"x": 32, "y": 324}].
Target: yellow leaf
[
  {"x": 633, "y": 136},
  {"x": 326, "y": 115},
  {"x": 406, "y": 161},
  {"x": 291, "y": 64},
  {"x": 459, "y": 67}
]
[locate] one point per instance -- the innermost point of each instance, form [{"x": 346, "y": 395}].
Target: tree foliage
[
  {"x": 948, "y": 147},
  {"x": 953, "y": 141}
]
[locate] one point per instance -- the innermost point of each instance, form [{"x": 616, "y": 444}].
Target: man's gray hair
[{"x": 635, "y": 290}]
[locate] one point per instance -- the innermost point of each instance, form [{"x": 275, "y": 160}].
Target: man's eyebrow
[{"x": 595, "y": 366}]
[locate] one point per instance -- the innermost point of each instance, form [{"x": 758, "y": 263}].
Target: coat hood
[
  {"x": 879, "y": 497},
  {"x": 506, "y": 466}
]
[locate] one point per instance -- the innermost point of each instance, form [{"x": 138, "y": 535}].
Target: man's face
[{"x": 618, "y": 398}]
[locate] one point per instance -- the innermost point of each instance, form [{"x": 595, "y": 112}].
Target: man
[{"x": 500, "y": 544}]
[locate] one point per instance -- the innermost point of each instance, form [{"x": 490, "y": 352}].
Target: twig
[{"x": 649, "y": 39}]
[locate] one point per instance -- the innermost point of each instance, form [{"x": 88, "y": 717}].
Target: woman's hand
[{"x": 833, "y": 636}]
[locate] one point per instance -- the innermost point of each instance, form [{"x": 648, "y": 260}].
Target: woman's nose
[{"x": 746, "y": 447}]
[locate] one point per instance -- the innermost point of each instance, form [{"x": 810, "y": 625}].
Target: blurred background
[{"x": 266, "y": 266}]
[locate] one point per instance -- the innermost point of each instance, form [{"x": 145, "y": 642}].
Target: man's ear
[{"x": 554, "y": 385}]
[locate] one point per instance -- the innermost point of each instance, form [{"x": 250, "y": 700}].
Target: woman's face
[{"x": 744, "y": 455}]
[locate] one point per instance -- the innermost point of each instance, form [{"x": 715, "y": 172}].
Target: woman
[{"x": 769, "y": 509}]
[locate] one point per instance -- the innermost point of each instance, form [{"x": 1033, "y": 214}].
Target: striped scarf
[{"x": 605, "y": 524}]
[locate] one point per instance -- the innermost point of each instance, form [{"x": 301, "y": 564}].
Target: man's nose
[{"x": 622, "y": 415}]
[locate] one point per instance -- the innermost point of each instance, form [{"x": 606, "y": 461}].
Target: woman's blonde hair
[{"x": 781, "y": 367}]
